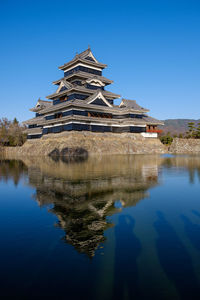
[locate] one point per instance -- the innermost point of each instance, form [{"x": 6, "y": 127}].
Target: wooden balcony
[{"x": 154, "y": 130}]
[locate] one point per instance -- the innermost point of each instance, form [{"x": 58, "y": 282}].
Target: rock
[
  {"x": 185, "y": 146},
  {"x": 55, "y": 154},
  {"x": 69, "y": 154},
  {"x": 72, "y": 152}
]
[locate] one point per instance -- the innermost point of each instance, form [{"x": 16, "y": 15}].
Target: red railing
[{"x": 154, "y": 130}]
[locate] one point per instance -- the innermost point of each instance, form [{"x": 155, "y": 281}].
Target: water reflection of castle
[{"x": 83, "y": 195}]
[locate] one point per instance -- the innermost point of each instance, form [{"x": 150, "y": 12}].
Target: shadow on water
[
  {"x": 196, "y": 213},
  {"x": 192, "y": 230},
  {"x": 175, "y": 259},
  {"x": 127, "y": 250}
]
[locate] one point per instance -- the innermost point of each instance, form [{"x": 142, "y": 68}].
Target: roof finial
[{"x": 89, "y": 47}]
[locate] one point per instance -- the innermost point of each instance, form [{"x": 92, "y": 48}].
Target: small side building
[{"x": 82, "y": 103}]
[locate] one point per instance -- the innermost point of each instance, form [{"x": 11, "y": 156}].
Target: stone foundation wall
[
  {"x": 185, "y": 146},
  {"x": 93, "y": 143}
]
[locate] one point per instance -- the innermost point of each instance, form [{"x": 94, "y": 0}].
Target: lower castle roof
[
  {"x": 116, "y": 110},
  {"x": 83, "y": 104},
  {"x": 132, "y": 104},
  {"x": 41, "y": 104}
]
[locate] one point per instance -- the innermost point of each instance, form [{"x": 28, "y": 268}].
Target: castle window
[
  {"x": 58, "y": 115},
  {"x": 99, "y": 115}
]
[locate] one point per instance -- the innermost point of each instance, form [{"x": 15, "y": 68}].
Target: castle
[{"x": 82, "y": 103}]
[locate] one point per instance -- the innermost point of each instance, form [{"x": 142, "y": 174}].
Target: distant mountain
[{"x": 177, "y": 126}]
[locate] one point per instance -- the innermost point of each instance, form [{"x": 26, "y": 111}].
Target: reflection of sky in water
[{"x": 106, "y": 228}]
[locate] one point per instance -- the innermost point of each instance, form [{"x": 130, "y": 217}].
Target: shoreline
[
  {"x": 90, "y": 143},
  {"x": 85, "y": 144}
]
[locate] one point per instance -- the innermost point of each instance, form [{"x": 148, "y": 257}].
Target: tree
[
  {"x": 11, "y": 133},
  {"x": 15, "y": 122},
  {"x": 191, "y": 132},
  {"x": 194, "y": 131},
  {"x": 198, "y": 131}
]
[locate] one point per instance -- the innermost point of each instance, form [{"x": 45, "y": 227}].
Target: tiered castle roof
[{"x": 81, "y": 92}]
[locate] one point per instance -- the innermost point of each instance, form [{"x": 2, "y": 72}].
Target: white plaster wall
[{"x": 149, "y": 134}]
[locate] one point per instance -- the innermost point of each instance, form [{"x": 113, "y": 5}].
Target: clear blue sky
[{"x": 152, "y": 49}]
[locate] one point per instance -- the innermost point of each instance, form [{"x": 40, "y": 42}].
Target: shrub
[{"x": 166, "y": 139}]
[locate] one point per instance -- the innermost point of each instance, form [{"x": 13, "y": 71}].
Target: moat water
[{"x": 120, "y": 227}]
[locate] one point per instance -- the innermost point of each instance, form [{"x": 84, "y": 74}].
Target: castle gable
[{"x": 98, "y": 99}]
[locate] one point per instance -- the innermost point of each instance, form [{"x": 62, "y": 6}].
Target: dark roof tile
[{"x": 132, "y": 104}]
